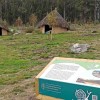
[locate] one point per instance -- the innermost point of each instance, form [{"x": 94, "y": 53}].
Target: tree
[
  {"x": 5, "y": 24},
  {"x": 69, "y": 9},
  {"x": 1, "y": 10},
  {"x": 33, "y": 19},
  {"x": 18, "y": 22},
  {"x": 51, "y": 19}
]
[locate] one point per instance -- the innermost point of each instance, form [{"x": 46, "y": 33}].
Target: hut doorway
[
  {"x": 0, "y": 31},
  {"x": 47, "y": 28}
]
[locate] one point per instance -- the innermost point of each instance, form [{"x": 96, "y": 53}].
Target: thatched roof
[
  {"x": 61, "y": 22},
  {"x": 4, "y": 27}
]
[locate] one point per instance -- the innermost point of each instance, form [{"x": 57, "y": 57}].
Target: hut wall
[
  {"x": 54, "y": 30},
  {"x": 58, "y": 30},
  {"x": 4, "y": 32},
  {"x": 42, "y": 29}
]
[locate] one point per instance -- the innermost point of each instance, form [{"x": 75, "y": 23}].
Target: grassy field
[{"x": 23, "y": 56}]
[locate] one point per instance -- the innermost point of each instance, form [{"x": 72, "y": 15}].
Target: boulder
[{"x": 79, "y": 48}]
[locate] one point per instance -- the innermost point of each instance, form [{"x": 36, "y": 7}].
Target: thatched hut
[
  {"x": 53, "y": 21},
  {"x": 3, "y": 31}
]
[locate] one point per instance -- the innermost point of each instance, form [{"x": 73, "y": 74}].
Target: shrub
[{"x": 29, "y": 30}]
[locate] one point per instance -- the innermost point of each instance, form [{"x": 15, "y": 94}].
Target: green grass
[{"x": 24, "y": 56}]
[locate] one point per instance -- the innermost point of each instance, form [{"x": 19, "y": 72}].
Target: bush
[{"x": 29, "y": 30}]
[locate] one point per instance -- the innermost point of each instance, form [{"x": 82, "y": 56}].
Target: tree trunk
[
  {"x": 0, "y": 10},
  {"x": 64, "y": 11}
]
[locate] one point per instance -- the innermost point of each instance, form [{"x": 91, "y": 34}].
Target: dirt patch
[{"x": 23, "y": 90}]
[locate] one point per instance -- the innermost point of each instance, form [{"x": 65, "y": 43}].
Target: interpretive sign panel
[{"x": 70, "y": 79}]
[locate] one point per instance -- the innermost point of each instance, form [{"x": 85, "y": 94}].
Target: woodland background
[{"x": 71, "y": 10}]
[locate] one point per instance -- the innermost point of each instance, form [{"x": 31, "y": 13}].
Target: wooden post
[{"x": 51, "y": 36}]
